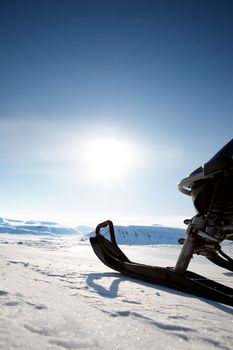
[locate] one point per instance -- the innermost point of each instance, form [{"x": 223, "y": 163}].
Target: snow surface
[{"x": 56, "y": 294}]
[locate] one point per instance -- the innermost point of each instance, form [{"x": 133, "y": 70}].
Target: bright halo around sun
[{"x": 108, "y": 159}]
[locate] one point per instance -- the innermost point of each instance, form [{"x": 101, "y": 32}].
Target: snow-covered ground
[{"x": 56, "y": 294}]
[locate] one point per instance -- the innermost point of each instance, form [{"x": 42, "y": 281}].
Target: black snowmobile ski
[
  {"x": 211, "y": 189},
  {"x": 112, "y": 256},
  {"x": 218, "y": 260}
]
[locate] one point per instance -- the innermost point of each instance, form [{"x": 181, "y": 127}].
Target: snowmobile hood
[{"x": 221, "y": 160}]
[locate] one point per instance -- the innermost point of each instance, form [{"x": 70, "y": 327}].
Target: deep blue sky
[{"x": 158, "y": 74}]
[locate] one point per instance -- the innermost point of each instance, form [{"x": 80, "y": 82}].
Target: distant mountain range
[
  {"x": 142, "y": 235},
  {"x": 32, "y": 227},
  {"x": 127, "y": 235}
]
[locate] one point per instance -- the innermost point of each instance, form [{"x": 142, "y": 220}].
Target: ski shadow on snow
[
  {"x": 230, "y": 274},
  {"x": 224, "y": 308},
  {"x": 112, "y": 291}
]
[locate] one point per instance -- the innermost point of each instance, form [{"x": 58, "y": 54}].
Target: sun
[{"x": 108, "y": 159}]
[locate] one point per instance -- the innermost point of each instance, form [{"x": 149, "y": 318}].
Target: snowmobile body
[
  {"x": 211, "y": 189},
  {"x": 200, "y": 183}
]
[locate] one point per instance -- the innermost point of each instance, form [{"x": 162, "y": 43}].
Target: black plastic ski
[
  {"x": 225, "y": 263},
  {"x": 186, "y": 281}
]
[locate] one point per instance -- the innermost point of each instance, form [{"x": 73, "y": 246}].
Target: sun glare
[{"x": 108, "y": 159}]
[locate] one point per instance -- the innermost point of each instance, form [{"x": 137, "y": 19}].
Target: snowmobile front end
[
  {"x": 183, "y": 280},
  {"x": 211, "y": 189}
]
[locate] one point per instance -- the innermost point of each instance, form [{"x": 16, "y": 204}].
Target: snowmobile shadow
[
  {"x": 112, "y": 291},
  {"x": 224, "y": 308},
  {"x": 230, "y": 274}
]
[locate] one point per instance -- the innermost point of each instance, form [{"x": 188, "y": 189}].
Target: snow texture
[{"x": 55, "y": 294}]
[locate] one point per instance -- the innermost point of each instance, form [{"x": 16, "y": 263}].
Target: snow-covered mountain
[
  {"x": 32, "y": 227},
  {"x": 142, "y": 235},
  {"x": 127, "y": 235},
  {"x": 84, "y": 229}
]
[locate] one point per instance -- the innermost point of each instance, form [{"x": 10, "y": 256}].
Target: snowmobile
[{"x": 211, "y": 189}]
